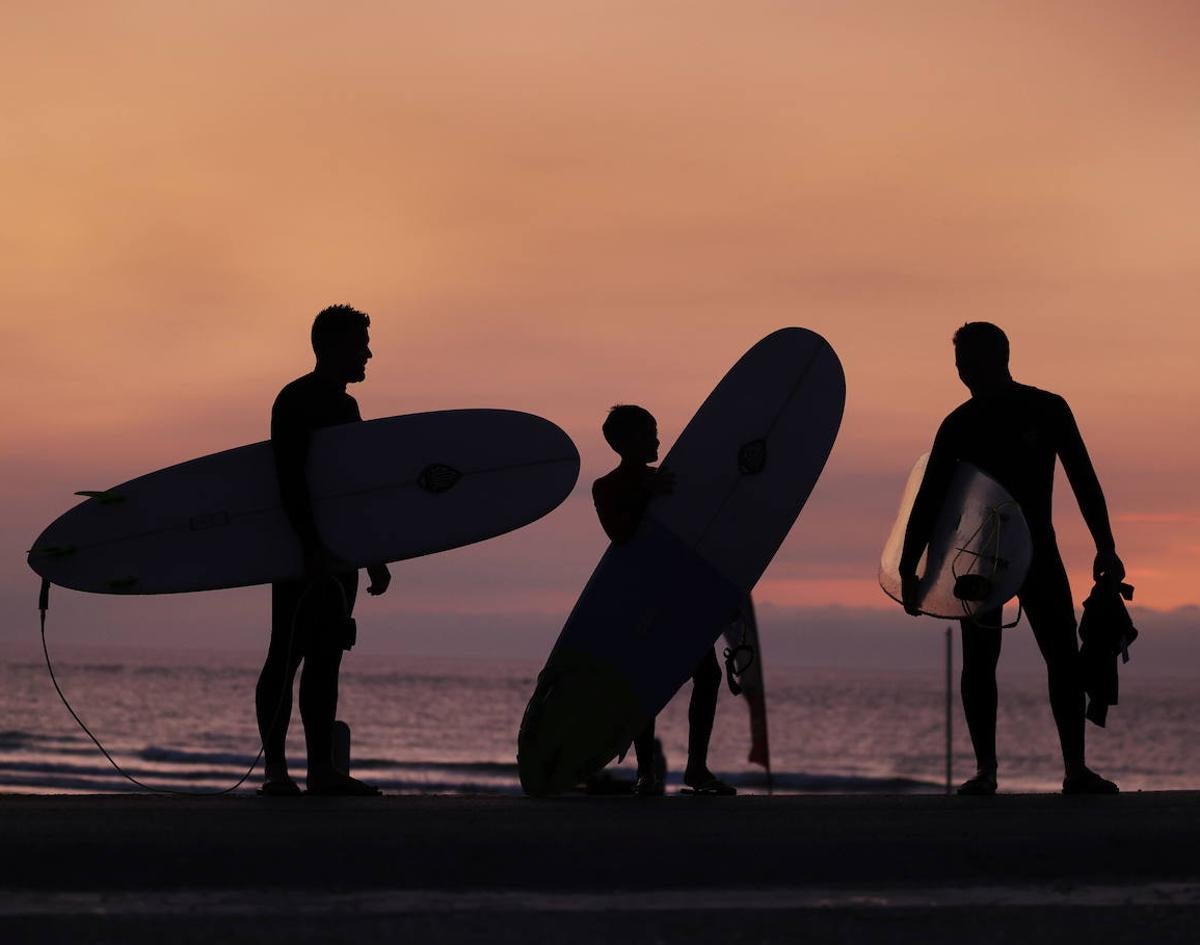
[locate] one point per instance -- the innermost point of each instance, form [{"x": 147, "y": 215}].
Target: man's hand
[
  {"x": 381, "y": 577},
  {"x": 909, "y": 587},
  {"x": 1108, "y": 567},
  {"x": 663, "y": 482}
]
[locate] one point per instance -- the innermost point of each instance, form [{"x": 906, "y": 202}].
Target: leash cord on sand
[{"x": 44, "y": 605}]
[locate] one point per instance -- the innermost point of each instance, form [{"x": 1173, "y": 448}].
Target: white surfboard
[
  {"x": 979, "y": 552},
  {"x": 744, "y": 468},
  {"x": 383, "y": 490}
]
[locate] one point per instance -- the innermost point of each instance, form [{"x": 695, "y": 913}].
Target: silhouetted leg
[
  {"x": 273, "y": 693},
  {"x": 643, "y": 750},
  {"x": 319, "y": 678},
  {"x": 318, "y": 701},
  {"x": 980, "y": 654},
  {"x": 1046, "y": 598},
  {"x": 324, "y": 645},
  {"x": 273, "y": 705},
  {"x": 702, "y": 710}
]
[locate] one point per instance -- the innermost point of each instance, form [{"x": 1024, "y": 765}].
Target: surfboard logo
[
  {"x": 645, "y": 625},
  {"x": 752, "y": 457},
  {"x": 438, "y": 478}
]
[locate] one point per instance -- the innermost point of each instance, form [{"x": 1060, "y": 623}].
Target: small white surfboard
[
  {"x": 744, "y": 467},
  {"x": 383, "y": 490},
  {"x": 979, "y": 552}
]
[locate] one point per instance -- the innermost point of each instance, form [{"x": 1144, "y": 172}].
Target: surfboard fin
[
  {"x": 972, "y": 587},
  {"x": 103, "y": 496},
  {"x": 752, "y": 457},
  {"x": 54, "y": 551},
  {"x": 438, "y": 478}
]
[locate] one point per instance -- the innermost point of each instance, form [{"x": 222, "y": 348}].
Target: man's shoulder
[
  {"x": 296, "y": 405},
  {"x": 1041, "y": 399},
  {"x": 954, "y": 419},
  {"x": 965, "y": 407},
  {"x": 298, "y": 389}
]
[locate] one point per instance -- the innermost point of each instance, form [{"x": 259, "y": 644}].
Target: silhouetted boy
[
  {"x": 1014, "y": 433},
  {"x": 621, "y": 498},
  {"x": 310, "y": 618}
]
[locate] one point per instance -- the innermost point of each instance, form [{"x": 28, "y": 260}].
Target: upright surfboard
[
  {"x": 383, "y": 490},
  {"x": 744, "y": 467},
  {"x": 978, "y": 554}
]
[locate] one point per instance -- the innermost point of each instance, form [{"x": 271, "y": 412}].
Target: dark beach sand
[{"x": 583, "y": 870}]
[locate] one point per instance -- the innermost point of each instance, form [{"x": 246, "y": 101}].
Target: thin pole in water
[{"x": 949, "y": 709}]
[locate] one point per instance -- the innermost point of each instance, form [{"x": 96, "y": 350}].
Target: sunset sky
[{"x": 558, "y": 206}]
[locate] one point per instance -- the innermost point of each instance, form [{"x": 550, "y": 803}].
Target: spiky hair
[
  {"x": 983, "y": 340},
  {"x": 334, "y": 322},
  {"x": 622, "y": 422}
]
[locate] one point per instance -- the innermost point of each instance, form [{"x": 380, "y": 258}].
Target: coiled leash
[
  {"x": 44, "y": 605},
  {"x": 733, "y": 667},
  {"x": 972, "y": 587}
]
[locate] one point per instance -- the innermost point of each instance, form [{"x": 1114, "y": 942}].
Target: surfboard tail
[{"x": 583, "y": 714}]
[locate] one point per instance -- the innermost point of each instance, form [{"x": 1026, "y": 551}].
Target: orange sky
[{"x": 566, "y": 205}]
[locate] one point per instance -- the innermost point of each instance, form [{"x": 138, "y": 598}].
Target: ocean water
[{"x": 183, "y": 721}]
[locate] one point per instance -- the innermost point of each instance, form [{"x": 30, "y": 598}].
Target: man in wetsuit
[
  {"x": 1014, "y": 433},
  {"x": 621, "y": 498},
  {"x": 310, "y": 618}
]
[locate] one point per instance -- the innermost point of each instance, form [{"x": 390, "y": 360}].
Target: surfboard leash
[
  {"x": 44, "y": 605},
  {"x": 993, "y": 520},
  {"x": 738, "y": 659}
]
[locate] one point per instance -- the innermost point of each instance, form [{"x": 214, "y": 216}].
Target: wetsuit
[
  {"x": 621, "y": 498},
  {"x": 1015, "y": 433},
  {"x": 310, "y": 626}
]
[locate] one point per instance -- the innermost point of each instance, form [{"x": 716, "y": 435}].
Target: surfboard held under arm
[
  {"x": 978, "y": 554},
  {"x": 382, "y": 490}
]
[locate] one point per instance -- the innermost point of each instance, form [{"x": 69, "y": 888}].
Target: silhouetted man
[
  {"x": 621, "y": 498},
  {"x": 310, "y": 618},
  {"x": 1014, "y": 433}
]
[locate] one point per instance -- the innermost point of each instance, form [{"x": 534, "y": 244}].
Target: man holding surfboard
[
  {"x": 311, "y": 620},
  {"x": 1015, "y": 433}
]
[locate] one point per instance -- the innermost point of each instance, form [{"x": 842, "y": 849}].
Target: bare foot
[
  {"x": 336, "y": 784},
  {"x": 279, "y": 787}
]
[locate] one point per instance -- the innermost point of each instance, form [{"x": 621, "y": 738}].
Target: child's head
[{"x": 633, "y": 432}]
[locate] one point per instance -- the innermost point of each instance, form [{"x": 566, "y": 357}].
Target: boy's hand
[
  {"x": 381, "y": 578},
  {"x": 663, "y": 482}
]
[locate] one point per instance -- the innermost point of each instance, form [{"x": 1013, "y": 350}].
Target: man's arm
[
  {"x": 939, "y": 471},
  {"x": 381, "y": 577},
  {"x": 290, "y": 441},
  {"x": 1077, "y": 464}
]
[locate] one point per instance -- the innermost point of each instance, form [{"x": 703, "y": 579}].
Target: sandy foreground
[{"x": 582, "y": 870}]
